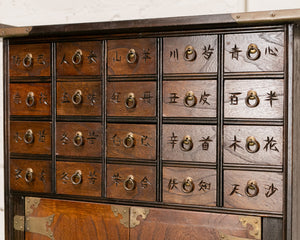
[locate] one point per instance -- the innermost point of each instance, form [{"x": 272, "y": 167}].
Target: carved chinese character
[
  {"x": 147, "y": 97},
  {"x": 43, "y": 98},
  {"x": 146, "y": 54},
  {"x": 234, "y": 99},
  {"x": 205, "y": 143},
  {"x": 204, "y": 98},
  {"x": 64, "y": 60},
  {"x": 17, "y": 137},
  {"x": 272, "y": 96},
  {"x": 207, "y": 52},
  {"x": 65, "y": 139},
  {"x": 65, "y": 98},
  {"x": 235, "y": 52},
  {"x": 203, "y": 186},
  {"x": 41, "y": 60},
  {"x": 116, "y": 140},
  {"x": 270, "y": 51},
  {"x": 16, "y": 60},
  {"x": 235, "y": 190},
  {"x": 115, "y": 97},
  {"x": 117, "y": 58},
  {"x": 235, "y": 144},
  {"x": 92, "y": 137},
  {"x": 174, "y": 54},
  {"x": 17, "y": 98},
  {"x": 92, "y": 99},
  {"x": 42, "y": 177},
  {"x": 64, "y": 177},
  {"x": 270, "y": 190},
  {"x": 173, "y": 97},
  {"x": 42, "y": 135},
  {"x": 271, "y": 144},
  {"x": 145, "y": 182},
  {"x": 173, "y": 140},
  {"x": 117, "y": 179},
  {"x": 144, "y": 141},
  {"x": 172, "y": 183},
  {"x": 18, "y": 172},
  {"x": 92, "y": 177},
  {"x": 92, "y": 57}
]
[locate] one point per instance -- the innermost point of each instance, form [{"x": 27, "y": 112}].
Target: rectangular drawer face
[
  {"x": 253, "y": 98},
  {"x": 254, "y": 52},
  {"x": 29, "y": 60},
  {"x": 131, "y": 56},
  {"x": 78, "y": 58},
  {"x": 77, "y": 178},
  {"x": 253, "y": 190},
  {"x": 79, "y": 98},
  {"x": 189, "y": 186},
  {"x": 136, "y": 99},
  {"x": 261, "y": 145},
  {"x": 30, "y": 99},
  {"x": 195, "y": 143},
  {"x": 194, "y": 54},
  {"x": 135, "y": 141},
  {"x": 189, "y": 98},
  {"x": 131, "y": 182},
  {"x": 30, "y": 137},
  {"x": 30, "y": 175},
  {"x": 78, "y": 139}
]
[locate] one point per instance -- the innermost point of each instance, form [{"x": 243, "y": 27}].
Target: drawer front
[
  {"x": 77, "y": 178},
  {"x": 131, "y": 56},
  {"x": 261, "y": 145},
  {"x": 29, "y": 60},
  {"x": 189, "y": 186},
  {"x": 195, "y": 54},
  {"x": 254, "y": 98},
  {"x": 254, "y": 52},
  {"x": 78, "y": 139},
  {"x": 131, "y": 182},
  {"x": 30, "y": 137},
  {"x": 79, "y": 98},
  {"x": 30, "y": 99},
  {"x": 78, "y": 58},
  {"x": 131, "y": 99},
  {"x": 133, "y": 141},
  {"x": 195, "y": 143},
  {"x": 30, "y": 175},
  {"x": 253, "y": 190},
  {"x": 189, "y": 98}
]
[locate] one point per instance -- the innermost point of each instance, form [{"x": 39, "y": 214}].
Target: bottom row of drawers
[{"x": 255, "y": 190}]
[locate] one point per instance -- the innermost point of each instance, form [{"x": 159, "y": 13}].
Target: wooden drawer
[
  {"x": 253, "y": 190},
  {"x": 254, "y": 98},
  {"x": 194, "y": 54},
  {"x": 189, "y": 186},
  {"x": 29, "y": 60},
  {"x": 195, "y": 143},
  {"x": 131, "y": 56},
  {"x": 135, "y": 141},
  {"x": 30, "y": 175},
  {"x": 78, "y": 139},
  {"x": 78, "y": 58},
  {"x": 254, "y": 52},
  {"x": 30, "y": 99},
  {"x": 30, "y": 137},
  {"x": 261, "y": 145},
  {"x": 79, "y": 98},
  {"x": 78, "y": 178},
  {"x": 189, "y": 98},
  {"x": 136, "y": 99},
  {"x": 131, "y": 182}
]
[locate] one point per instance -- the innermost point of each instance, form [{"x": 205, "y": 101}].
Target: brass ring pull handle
[
  {"x": 77, "y": 57},
  {"x": 252, "y": 145},
  {"x": 30, "y": 99},
  {"x": 188, "y": 185},
  {"x": 253, "y": 53},
  {"x": 28, "y": 175},
  {"x": 129, "y": 183},
  {"x": 190, "y": 99},
  {"x": 78, "y": 139},
  {"x": 251, "y": 189},
  {"x": 128, "y": 141},
  {"x": 131, "y": 56},
  {"x": 186, "y": 144},
  {"x": 130, "y": 101},
  {"x": 189, "y": 53},
  {"x": 77, "y": 97},
  {"x": 28, "y": 137},
  {"x": 76, "y": 178},
  {"x": 27, "y": 60},
  {"x": 252, "y": 100}
]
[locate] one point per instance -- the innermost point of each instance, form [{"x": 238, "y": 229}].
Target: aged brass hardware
[
  {"x": 189, "y": 53},
  {"x": 77, "y": 57},
  {"x": 186, "y": 144},
  {"x": 29, "y": 175},
  {"x": 130, "y": 101},
  {"x": 252, "y": 96},
  {"x": 253, "y": 52},
  {"x": 27, "y": 60},
  {"x": 188, "y": 185},
  {"x": 77, "y": 97},
  {"x": 190, "y": 99},
  {"x": 129, "y": 183},
  {"x": 251, "y": 189},
  {"x": 128, "y": 141},
  {"x": 250, "y": 142},
  {"x": 29, "y": 137},
  {"x": 76, "y": 178},
  {"x": 30, "y": 99},
  {"x": 124, "y": 212},
  {"x": 131, "y": 56},
  {"x": 78, "y": 139}
]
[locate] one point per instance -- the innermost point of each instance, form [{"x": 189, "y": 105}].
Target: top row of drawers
[{"x": 247, "y": 52}]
